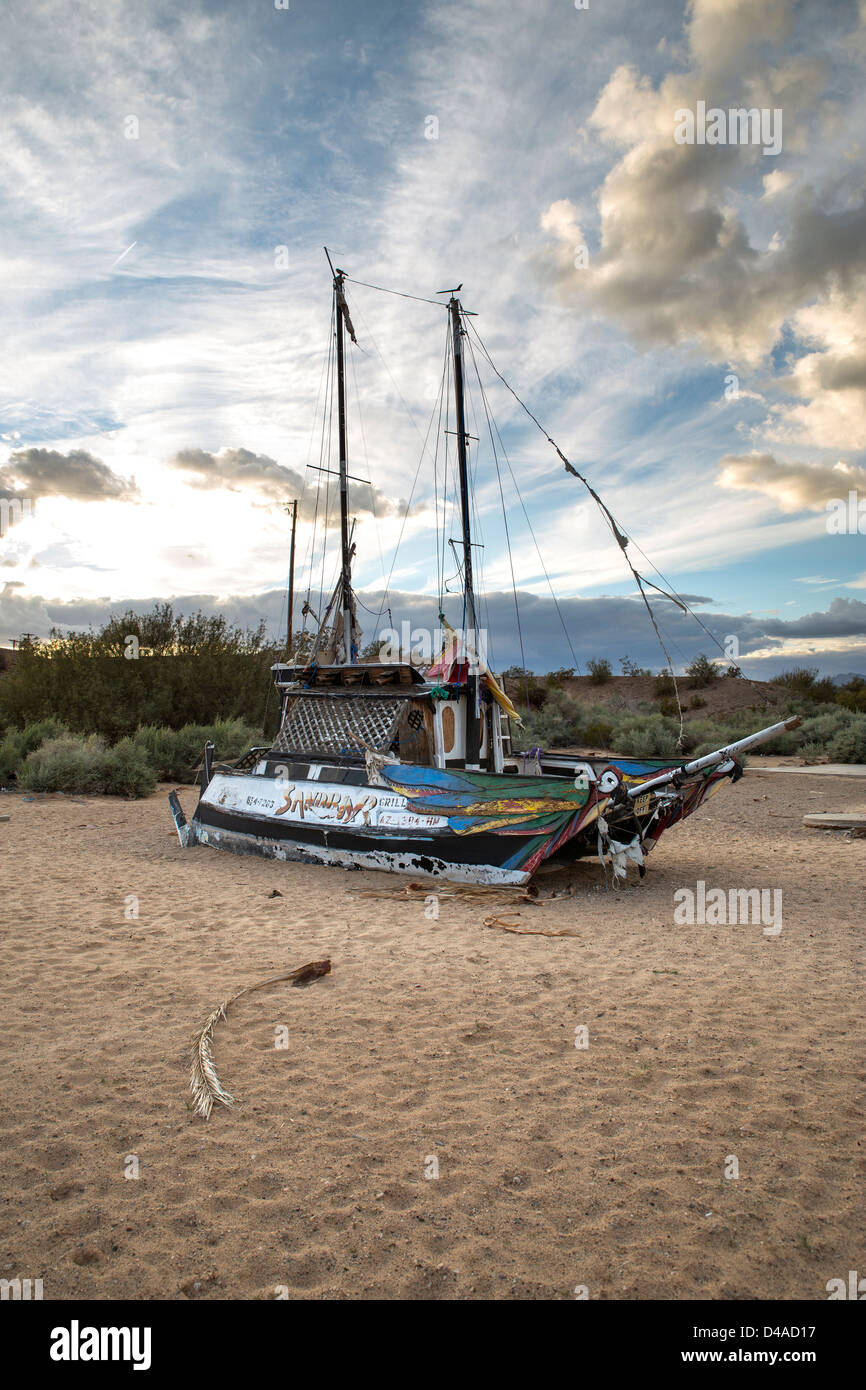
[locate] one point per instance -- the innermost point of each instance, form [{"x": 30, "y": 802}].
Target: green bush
[
  {"x": 820, "y": 729},
  {"x": 188, "y": 670},
  {"x": 663, "y": 685},
  {"x": 703, "y": 736},
  {"x": 524, "y": 687},
  {"x": 11, "y": 756},
  {"x": 555, "y": 679},
  {"x": 849, "y": 745},
  {"x": 652, "y": 736},
  {"x": 803, "y": 680},
  {"x": 126, "y": 771},
  {"x": 83, "y": 764},
  {"x": 559, "y": 723},
  {"x": 853, "y": 695},
  {"x": 702, "y": 671},
  {"x": 176, "y": 753},
  {"x": 46, "y": 757},
  {"x": 17, "y": 743},
  {"x": 598, "y": 733},
  {"x": 599, "y": 671}
]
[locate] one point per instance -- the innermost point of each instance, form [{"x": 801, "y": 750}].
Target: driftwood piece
[{"x": 207, "y": 1089}]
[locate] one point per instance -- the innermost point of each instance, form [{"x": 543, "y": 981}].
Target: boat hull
[
  {"x": 467, "y": 827},
  {"x": 358, "y": 826}
]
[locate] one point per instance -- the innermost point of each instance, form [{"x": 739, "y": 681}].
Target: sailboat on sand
[{"x": 386, "y": 764}]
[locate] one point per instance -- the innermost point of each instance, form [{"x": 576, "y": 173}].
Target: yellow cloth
[{"x": 490, "y": 681}]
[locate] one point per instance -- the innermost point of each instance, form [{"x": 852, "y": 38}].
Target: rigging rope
[
  {"x": 620, "y": 536},
  {"x": 544, "y": 569},
  {"x": 507, "y": 539},
  {"x": 381, "y": 288}
]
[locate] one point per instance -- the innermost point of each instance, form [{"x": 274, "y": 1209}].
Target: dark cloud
[
  {"x": 610, "y": 627},
  {"x": 241, "y": 468},
  {"x": 77, "y": 475}
]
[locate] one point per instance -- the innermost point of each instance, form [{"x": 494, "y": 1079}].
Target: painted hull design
[{"x": 470, "y": 827}]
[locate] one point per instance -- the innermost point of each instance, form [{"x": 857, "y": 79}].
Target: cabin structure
[{"x": 346, "y": 712}]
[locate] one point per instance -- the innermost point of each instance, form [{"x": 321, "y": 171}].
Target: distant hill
[
  {"x": 625, "y": 694},
  {"x": 847, "y": 677}
]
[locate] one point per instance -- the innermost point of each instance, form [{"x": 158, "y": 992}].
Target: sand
[{"x": 602, "y": 1167}]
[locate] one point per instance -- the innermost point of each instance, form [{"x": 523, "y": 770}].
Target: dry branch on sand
[
  {"x": 502, "y": 925},
  {"x": 466, "y": 892},
  {"x": 207, "y": 1089}
]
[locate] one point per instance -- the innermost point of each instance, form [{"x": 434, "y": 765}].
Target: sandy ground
[{"x": 431, "y": 1040}]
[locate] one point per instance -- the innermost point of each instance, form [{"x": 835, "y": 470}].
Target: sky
[{"x": 686, "y": 320}]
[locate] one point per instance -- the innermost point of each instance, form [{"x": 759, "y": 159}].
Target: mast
[
  {"x": 343, "y": 322},
  {"x": 293, "y": 508},
  {"x": 346, "y": 570},
  {"x": 462, "y": 466},
  {"x": 473, "y": 705}
]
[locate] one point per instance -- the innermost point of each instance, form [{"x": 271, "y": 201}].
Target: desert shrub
[
  {"x": 631, "y": 668},
  {"x": 598, "y": 733},
  {"x": 853, "y": 695},
  {"x": 176, "y": 753},
  {"x": 524, "y": 686},
  {"x": 559, "y": 723},
  {"x": 17, "y": 743},
  {"x": 803, "y": 680},
  {"x": 599, "y": 671},
  {"x": 849, "y": 745},
  {"x": 652, "y": 736},
  {"x": 838, "y": 733},
  {"x": 555, "y": 679},
  {"x": 126, "y": 771},
  {"x": 702, "y": 672},
  {"x": 669, "y": 708},
  {"x": 65, "y": 764},
  {"x": 696, "y": 702},
  {"x": 72, "y": 763},
  {"x": 663, "y": 685},
  {"x": 821, "y": 728},
  {"x": 188, "y": 670},
  {"x": 703, "y": 735},
  {"x": 11, "y": 755}
]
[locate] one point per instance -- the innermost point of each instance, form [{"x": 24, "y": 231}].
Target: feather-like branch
[{"x": 207, "y": 1089}]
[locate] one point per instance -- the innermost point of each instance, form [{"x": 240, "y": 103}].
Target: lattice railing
[{"x": 338, "y": 726}]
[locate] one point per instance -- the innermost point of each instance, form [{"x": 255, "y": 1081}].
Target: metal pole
[
  {"x": 289, "y": 633},
  {"x": 462, "y": 466},
  {"x": 346, "y": 574},
  {"x": 473, "y": 721}
]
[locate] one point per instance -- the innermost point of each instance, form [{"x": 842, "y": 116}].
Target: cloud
[
  {"x": 793, "y": 486},
  {"x": 778, "y": 182},
  {"x": 830, "y": 379},
  {"x": 607, "y": 626},
  {"x": 242, "y": 468},
  {"x": 718, "y": 31},
  {"x": 676, "y": 259},
  {"x": 77, "y": 475}
]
